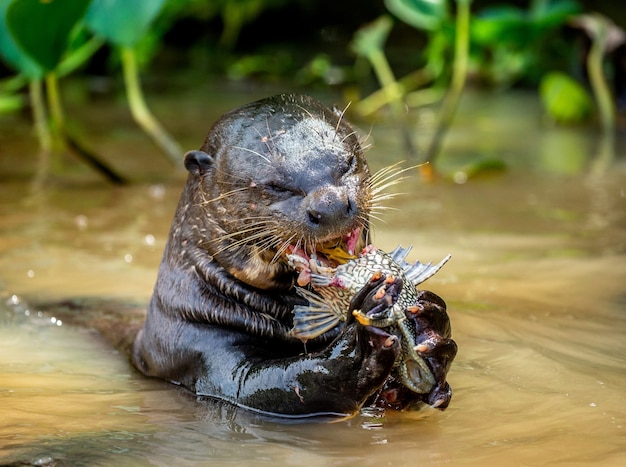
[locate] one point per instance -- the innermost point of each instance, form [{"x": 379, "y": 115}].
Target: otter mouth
[{"x": 328, "y": 253}]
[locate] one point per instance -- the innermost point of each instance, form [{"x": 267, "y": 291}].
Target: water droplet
[
  {"x": 149, "y": 239},
  {"x": 128, "y": 258},
  {"x": 460, "y": 177},
  {"x": 43, "y": 461},
  {"x": 30, "y": 273},
  {"x": 157, "y": 191},
  {"x": 593, "y": 404},
  {"x": 15, "y": 300},
  {"x": 371, "y": 425},
  {"x": 53, "y": 320},
  {"x": 81, "y": 222}
]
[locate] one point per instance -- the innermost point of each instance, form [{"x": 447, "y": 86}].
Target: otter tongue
[{"x": 304, "y": 277}]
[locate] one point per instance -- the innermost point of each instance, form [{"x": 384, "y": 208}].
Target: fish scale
[{"x": 334, "y": 288}]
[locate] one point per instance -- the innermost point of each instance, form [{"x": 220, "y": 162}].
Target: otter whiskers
[
  {"x": 263, "y": 230},
  {"x": 224, "y": 195},
  {"x": 380, "y": 182},
  {"x": 256, "y": 153}
]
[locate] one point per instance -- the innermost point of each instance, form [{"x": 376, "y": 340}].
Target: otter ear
[{"x": 197, "y": 162}]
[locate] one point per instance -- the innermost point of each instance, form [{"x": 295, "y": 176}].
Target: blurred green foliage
[
  {"x": 421, "y": 14},
  {"x": 42, "y": 29},
  {"x": 122, "y": 22},
  {"x": 511, "y": 44},
  {"x": 500, "y": 45},
  {"x": 564, "y": 99},
  {"x": 39, "y": 38},
  {"x": 11, "y": 51}
]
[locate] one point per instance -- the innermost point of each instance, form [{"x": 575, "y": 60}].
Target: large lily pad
[
  {"x": 122, "y": 22},
  {"x": 11, "y": 52},
  {"x": 42, "y": 29}
]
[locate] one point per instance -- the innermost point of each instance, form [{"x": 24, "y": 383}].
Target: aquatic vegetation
[
  {"x": 45, "y": 40},
  {"x": 123, "y": 24},
  {"x": 38, "y": 37},
  {"x": 498, "y": 46},
  {"x": 564, "y": 98},
  {"x": 502, "y": 45}
]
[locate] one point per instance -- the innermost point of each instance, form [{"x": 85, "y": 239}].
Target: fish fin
[
  {"x": 320, "y": 280},
  {"x": 416, "y": 272},
  {"x": 419, "y": 272},
  {"x": 399, "y": 254},
  {"x": 316, "y": 318}
]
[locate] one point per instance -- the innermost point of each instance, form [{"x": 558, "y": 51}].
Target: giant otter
[{"x": 275, "y": 174}]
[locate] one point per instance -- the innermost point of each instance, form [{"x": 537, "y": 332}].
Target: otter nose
[{"x": 328, "y": 206}]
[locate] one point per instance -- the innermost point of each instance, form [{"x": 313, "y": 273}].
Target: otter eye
[
  {"x": 278, "y": 188},
  {"x": 347, "y": 164}
]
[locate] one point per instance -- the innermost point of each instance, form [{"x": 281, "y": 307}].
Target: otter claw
[
  {"x": 380, "y": 293},
  {"x": 361, "y": 318},
  {"x": 391, "y": 340},
  {"x": 440, "y": 397}
]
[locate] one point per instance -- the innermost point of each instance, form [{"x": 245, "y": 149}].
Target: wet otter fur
[{"x": 275, "y": 174}]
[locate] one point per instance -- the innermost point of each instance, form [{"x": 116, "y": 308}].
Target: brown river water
[{"x": 536, "y": 291}]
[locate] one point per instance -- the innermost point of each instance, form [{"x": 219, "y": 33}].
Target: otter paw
[
  {"x": 434, "y": 344},
  {"x": 380, "y": 350},
  {"x": 372, "y": 304}
]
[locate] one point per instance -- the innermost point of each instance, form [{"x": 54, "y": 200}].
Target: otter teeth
[{"x": 351, "y": 240}]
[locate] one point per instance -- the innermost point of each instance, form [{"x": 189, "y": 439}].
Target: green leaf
[
  {"x": 500, "y": 23},
  {"x": 10, "y": 103},
  {"x": 553, "y": 13},
  {"x": 372, "y": 37},
  {"x": 564, "y": 99},
  {"x": 421, "y": 14},
  {"x": 42, "y": 29},
  {"x": 11, "y": 52},
  {"x": 122, "y": 22}
]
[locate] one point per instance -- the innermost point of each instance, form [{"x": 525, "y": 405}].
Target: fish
[{"x": 333, "y": 288}]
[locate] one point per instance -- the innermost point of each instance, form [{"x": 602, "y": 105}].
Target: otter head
[{"x": 274, "y": 175}]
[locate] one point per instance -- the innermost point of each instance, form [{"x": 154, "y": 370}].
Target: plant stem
[
  {"x": 459, "y": 74},
  {"x": 142, "y": 114},
  {"x": 390, "y": 87},
  {"x": 604, "y": 99},
  {"x": 79, "y": 56},
  {"x": 57, "y": 123},
  {"x": 42, "y": 129},
  {"x": 63, "y": 137},
  {"x": 54, "y": 102},
  {"x": 597, "y": 79},
  {"x": 377, "y": 99},
  {"x": 394, "y": 92}
]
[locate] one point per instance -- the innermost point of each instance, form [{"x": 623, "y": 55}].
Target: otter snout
[{"x": 329, "y": 206}]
